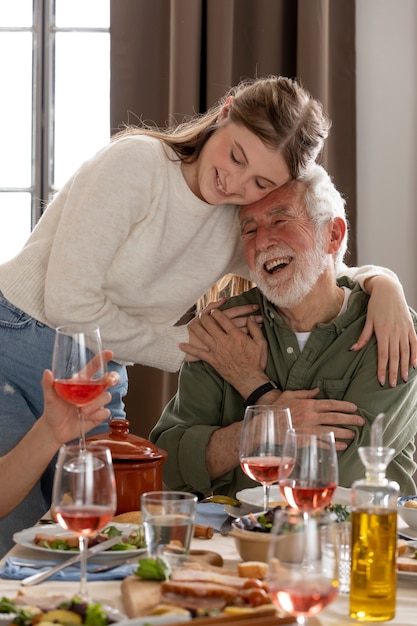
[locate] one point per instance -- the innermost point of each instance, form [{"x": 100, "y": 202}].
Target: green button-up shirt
[{"x": 205, "y": 402}]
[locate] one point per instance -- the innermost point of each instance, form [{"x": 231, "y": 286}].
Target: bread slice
[
  {"x": 252, "y": 569},
  {"x": 131, "y": 517}
]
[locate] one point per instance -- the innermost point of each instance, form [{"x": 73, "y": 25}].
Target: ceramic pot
[{"x": 137, "y": 464}]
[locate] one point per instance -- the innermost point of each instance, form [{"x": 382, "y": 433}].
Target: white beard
[{"x": 287, "y": 293}]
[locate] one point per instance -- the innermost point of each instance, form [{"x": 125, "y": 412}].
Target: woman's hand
[
  {"x": 62, "y": 417},
  {"x": 389, "y": 318}
]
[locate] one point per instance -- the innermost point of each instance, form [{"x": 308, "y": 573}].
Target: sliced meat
[
  {"x": 200, "y": 589},
  {"x": 206, "y": 576},
  {"x": 194, "y": 603}
]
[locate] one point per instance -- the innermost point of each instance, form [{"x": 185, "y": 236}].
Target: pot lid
[{"x": 126, "y": 446}]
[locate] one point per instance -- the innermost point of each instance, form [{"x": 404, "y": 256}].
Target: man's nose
[{"x": 265, "y": 238}]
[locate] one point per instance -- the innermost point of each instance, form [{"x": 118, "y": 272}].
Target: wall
[{"x": 386, "y": 32}]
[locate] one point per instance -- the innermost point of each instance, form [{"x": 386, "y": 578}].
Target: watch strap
[{"x": 259, "y": 392}]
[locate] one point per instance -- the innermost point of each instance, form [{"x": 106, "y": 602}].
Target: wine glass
[
  {"x": 261, "y": 441},
  {"x": 79, "y": 367},
  {"x": 84, "y": 496},
  {"x": 302, "y": 574},
  {"x": 310, "y": 475}
]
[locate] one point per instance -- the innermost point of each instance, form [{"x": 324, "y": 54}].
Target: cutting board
[{"x": 141, "y": 596}]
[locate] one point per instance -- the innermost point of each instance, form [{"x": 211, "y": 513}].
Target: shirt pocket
[{"x": 334, "y": 389}]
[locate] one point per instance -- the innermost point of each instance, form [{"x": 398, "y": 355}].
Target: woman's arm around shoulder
[{"x": 390, "y": 319}]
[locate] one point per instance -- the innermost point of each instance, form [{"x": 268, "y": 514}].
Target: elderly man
[{"x": 294, "y": 240}]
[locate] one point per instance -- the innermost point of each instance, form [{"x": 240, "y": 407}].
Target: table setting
[
  {"x": 109, "y": 589},
  {"x": 191, "y": 563}
]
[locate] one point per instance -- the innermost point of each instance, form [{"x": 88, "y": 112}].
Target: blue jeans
[{"x": 25, "y": 352}]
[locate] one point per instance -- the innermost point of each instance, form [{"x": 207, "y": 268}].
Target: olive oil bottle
[{"x": 373, "y": 581}]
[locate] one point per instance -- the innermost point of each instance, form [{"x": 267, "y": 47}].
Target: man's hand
[{"x": 322, "y": 415}]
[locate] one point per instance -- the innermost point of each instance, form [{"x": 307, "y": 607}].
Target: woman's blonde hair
[{"x": 278, "y": 110}]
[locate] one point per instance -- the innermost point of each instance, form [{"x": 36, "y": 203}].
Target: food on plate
[
  {"x": 402, "y": 546},
  {"x": 130, "y": 517},
  {"x": 207, "y": 590},
  {"x": 170, "y": 609},
  {"x": 411, "y": 504},
  {"x": 133, "y": 540},
  {"x": 61, "y": 616},
  {"x": 135, "y": 517},
  {"x": 52, "y": 610},
  {"x": 252, "y": 569},
  {"x": 220, "y": 499},
  {"x": 153, "y": 569},
  {"x": 406, "y": 557},
  {"x": 262, "y": 522}
]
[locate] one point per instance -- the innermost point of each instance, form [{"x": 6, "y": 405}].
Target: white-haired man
[{"x": 294, "y": 240}]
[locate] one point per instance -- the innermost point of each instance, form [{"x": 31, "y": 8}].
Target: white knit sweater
[{"x": 127, "y": 245}]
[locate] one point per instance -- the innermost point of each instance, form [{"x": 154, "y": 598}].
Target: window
[{"x": 55, "y": 70}]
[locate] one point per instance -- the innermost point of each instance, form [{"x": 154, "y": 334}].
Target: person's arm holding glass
[{"x": 23, "y": 466}]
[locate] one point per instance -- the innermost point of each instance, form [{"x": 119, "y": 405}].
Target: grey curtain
[{"x": 171, "y": 58}]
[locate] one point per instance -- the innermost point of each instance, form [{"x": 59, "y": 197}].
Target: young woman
[{"x": 141, "y": 231}]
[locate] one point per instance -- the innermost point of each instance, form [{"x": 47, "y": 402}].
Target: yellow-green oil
[{"x": 373, "y": 574}]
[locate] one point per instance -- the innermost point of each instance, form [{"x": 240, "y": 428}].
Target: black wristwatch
[{"x": 259, "y": 392}]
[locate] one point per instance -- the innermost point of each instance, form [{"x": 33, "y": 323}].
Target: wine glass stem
[
  {"x": 83, "y": 593},
  {"x": 82, "y": 430},
  {"x": 266, "y": 496}
]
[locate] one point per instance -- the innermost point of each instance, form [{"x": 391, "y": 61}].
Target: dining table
[{"x": 335, "y": 614}]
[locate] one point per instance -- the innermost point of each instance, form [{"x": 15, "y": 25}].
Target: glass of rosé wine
[
  {"x": 261, "y": 442},
  {"x": 84, "y": 496},
  {"x": 302, "y": 575},
  {"x": 309, "y": 481},
  {"x": 79, "y": 367}
]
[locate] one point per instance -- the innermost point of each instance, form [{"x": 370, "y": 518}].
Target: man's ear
[
  {"x": 225, "y": 108},
  {"x": 337, "y": 234}
]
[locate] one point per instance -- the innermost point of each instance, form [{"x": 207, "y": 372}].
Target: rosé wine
[
  {"x": 79, "y": 392},
  {"x": 265, "y": 469},
  {"x": 84, "y": 520},
  {"x": 309, "y": 497},
  {"x": 303, "y": 599}
]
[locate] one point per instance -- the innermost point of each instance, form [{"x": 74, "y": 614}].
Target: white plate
[
  {"x": 155, "y": 620},
  {"x": 26, "y": 538},
  {"x": 254, "y": 496}
]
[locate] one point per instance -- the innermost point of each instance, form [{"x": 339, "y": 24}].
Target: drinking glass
[
  {"x": 302, "y": 571},
  {"x": 261, "y": 441},
  {"x": 78, "y": 367},
  {"x": 168, "y": 519},
  {"x": 84, "y": 495},
  {"x": 311, "y": 477}
]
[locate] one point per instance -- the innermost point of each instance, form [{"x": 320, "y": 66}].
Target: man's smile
[{"x": 277, "y": 265}]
